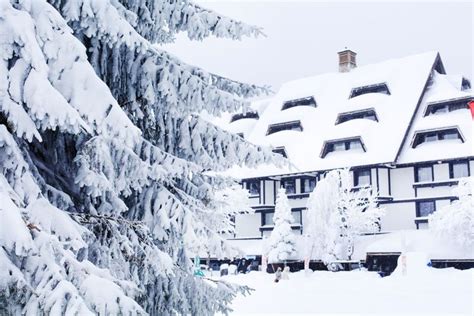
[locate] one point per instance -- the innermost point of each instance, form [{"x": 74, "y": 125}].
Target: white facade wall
[
  {"x": 441, "y": 172},
  {"x": 383, "y": 188},
  {"x": 254, "y": 200},
  {"x": 373, "y": 176},
  {"x": 298, "y": 185},
  {"x": 247, "y": 225},
  {"x": 401, "y": 182},
  {"x": 436, "y": 191},
  {"x": 268, "y": 190},
  {"x": 398, "y": 216},
  {"x": 397, "y": 184},
  {"x": 298, "y": 203}
]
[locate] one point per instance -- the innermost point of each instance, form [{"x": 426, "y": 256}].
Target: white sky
[{"x": 304, "y": 37}]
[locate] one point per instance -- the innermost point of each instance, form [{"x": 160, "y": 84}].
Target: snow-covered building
[{"x": 402, "y": 126}]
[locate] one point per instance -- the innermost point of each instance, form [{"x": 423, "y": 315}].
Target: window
[
  {"x": 368, "y": 114},
  {"x": 466, "y": 84},
  {"x": 342, "y": 145},
  {"x": 424, "y": 173},
  {"x": 446, "y": 106},
  {"x": 458, "y": 169},
  {"x": 286, "y": 126},
  {"x": 289, "y": 185},
  {"x": 241, "y": 116},
  {"x": 241, "y": 135},
  {"x": 425, "y": 208},
  {"x": 296, "y": 216},
  {"x": 362, "y": 177},
  {"x": 253, "y": 187},
  {"x": 354, "y": 144},
  {"x": 268, "y": 218},
  {"x": 309, "y": 101},
  {"x": 308, "y": 184},
  {"x": 281, "y": 151},
  {"x": 375, "y": 88},
  {"x": 438, "y": 135}
]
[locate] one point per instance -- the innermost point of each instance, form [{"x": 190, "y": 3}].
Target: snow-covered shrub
[
  {"x": 103, "y": 194},
  {"x": 456, "y": 221},
  {"x": 281, "y": 243},
  {"x": 336, "y": 214}
]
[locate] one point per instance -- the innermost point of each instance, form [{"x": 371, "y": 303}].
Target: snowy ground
[{"x": 438, "y": 291}]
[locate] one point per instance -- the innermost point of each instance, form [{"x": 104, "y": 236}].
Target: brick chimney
[{"x": 347, "y": 60}]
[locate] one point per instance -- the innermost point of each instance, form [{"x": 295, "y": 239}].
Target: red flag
[{"x": 471, "y": 106}]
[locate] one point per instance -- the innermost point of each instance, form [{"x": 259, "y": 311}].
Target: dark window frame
[
  {"x": 263, "y": 217},
  {"x": 307, "y": 101},
  {"x": 354, "y": 115},
  {"x": 424, "y": 166},
  {"x": 284, "y": 126},
  {"x": 449, "y": 106},
  {"x": 465, "y": 84},
  {"x": 248, "y": 186},
  {"x": 302, "y": 179},
  {"x": 418, "y": 204},
  {"x": 288, "y": 180},
  {"x": 420, "y": 137},
  {"x": 264, "y": 213},
  {"x": 298, "y": 210},
  {"x": 451, "y": 167},
  {"x": 380, "y": 87},
  {"x": 247, "y": 115},
  {"x": 328, "y": 145},
  {"x": 281, "y": 151},
  {"x": 356, "y": 172}
]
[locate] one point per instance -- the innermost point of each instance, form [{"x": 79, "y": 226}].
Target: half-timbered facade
[{"x": 402, "y": 126}]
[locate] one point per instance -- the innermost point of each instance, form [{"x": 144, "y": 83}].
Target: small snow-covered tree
[
  {"x": 456, "y": 221},
  {"x": 337, "y": 214},
  {"x": 282, "y": 242}
]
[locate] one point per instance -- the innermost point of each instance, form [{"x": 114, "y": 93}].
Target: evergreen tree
[
  {"x": 282, "y": 242},
  {"x": 337, "y": 214},
  {"x": 103, "y": 189}
]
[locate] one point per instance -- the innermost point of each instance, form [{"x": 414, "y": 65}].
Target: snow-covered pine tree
[
  {"x": 337, "y": 214},
  {"x": 103, "y": 198},
  {"x": 282, "y": 242},
  {"x": 456, "y": 221}
]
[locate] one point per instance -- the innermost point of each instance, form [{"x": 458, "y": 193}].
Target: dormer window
[
  {"x": 309, "y": 101},
  {"x": 280, "y": 150},
  {"x": 368, "y": 114},
  {"x": 285, "y": 126},
  {"x": 451, "y": 133},
  {"x": 342, "y": 145},
  {"x": 247, "y": 115},
  {"x": 465, "y": 84},
  {"x": 374, "y": 88},
  {"x": 447, "y": 106}
]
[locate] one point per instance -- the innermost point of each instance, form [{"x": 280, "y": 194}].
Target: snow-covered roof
[
  {"x": 442, "y": 89},
  {"x": 244, "y": 125},
  {"x": 401, "y": 84},
  {"x": 423, "y": 240}
]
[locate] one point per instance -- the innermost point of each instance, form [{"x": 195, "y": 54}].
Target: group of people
[{"x": 282, "y": 275}]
